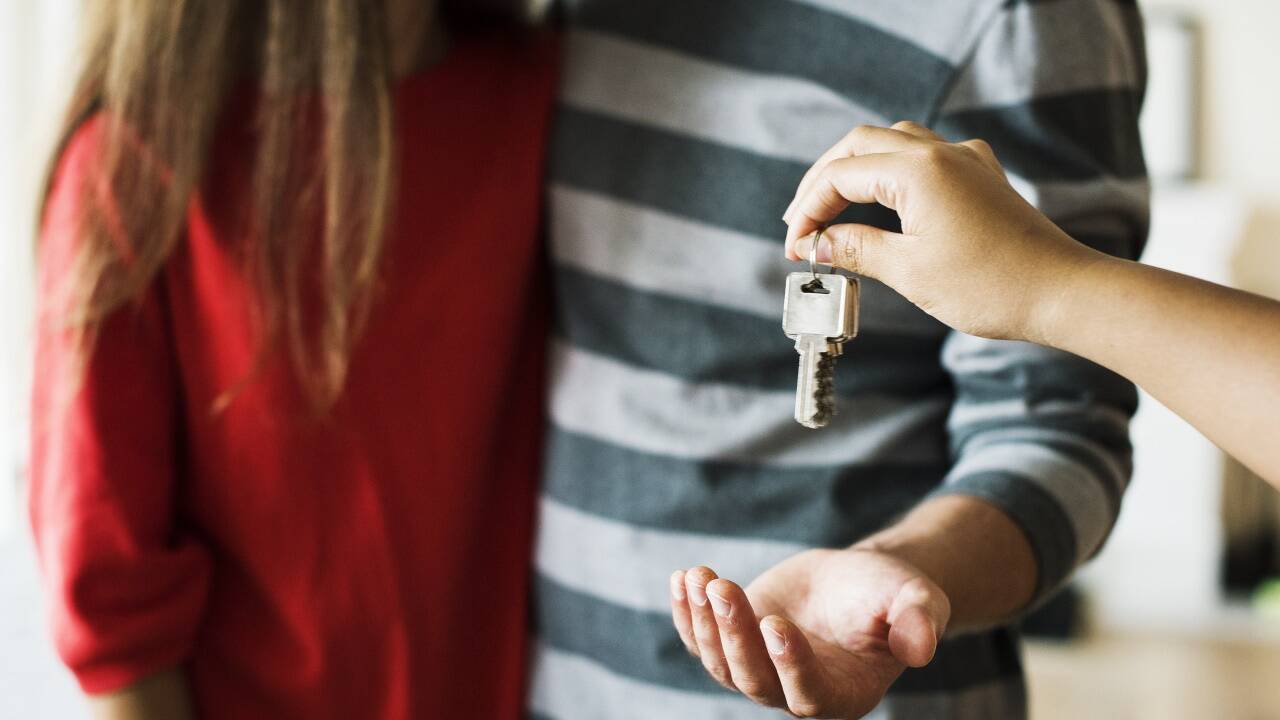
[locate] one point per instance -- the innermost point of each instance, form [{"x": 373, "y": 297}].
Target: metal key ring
[{"x": 813, "y": 253}]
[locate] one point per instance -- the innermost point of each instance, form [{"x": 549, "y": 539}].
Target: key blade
[{"x": 815, "y": 382}]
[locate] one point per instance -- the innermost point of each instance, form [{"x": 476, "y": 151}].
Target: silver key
[{"x": 820, "y": 312}]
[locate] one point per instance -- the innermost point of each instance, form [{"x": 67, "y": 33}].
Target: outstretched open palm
[{"x": 821, "y": 634}]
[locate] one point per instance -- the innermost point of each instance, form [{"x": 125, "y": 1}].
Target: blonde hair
[{"x": 160, "y": 71}]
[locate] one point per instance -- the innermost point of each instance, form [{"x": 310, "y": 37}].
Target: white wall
[
  {"x": 36, "y": 41},
  {"x": 1242, "y": 97},
  {"x": 36, "y": 47}
]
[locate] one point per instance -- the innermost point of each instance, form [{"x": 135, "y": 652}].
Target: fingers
[
  {"x": 706, "y": 631},
  {"x": 860, "y": 249},
  {"x": 750, "y": 668},
  {"x": 874, "y": 178},
  {"x": 804, "y": 683},
  {"x": 917, "y": 620},
  {"x": 680, "y": 615},
  {"x": 863, "y": 140}
]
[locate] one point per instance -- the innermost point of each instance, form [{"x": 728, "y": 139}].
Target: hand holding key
[{"x": 972, "y": 252}]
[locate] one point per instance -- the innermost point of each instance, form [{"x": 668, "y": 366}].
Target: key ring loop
[{"x": 813, "y": 253}]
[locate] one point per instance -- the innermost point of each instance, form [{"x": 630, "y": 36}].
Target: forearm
[
  {"x": 162, "y": 696},
  {"x": 972, "y": 550},
  {"x": 1209, "y": 353}
]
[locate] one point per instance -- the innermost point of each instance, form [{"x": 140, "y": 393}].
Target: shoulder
[
  {"x": 78, "y": 157},
  {"x": 76, "y": 180},
  {"x": 79, "y": 176}
]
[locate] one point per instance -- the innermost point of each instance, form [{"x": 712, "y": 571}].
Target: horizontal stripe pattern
[
  {"x": 817, "y": 505},
  {"x": 1103, "y": 460},
  {"x": 1083, "y": 499},
  {"x": 1080, "y": 136},
  {"x": 601, "y": 398},
  {"x": 558, "y": 679},
  {"x": 564, "y": 685},
  {"x": 988, "y": 371},
  {"x": 683, "y": 130},
  {"x": 945, "y": 28},
  {"x": 652, "y": 555},
  {"x": 773, "y": 115},
  {"x": 782, "y": 38},
  {"x": 701, "y": 342},
  {"x": 1108, "y": 214},
  {"x": 713, "y": 183},
  {"x": 1044, "y": 49}
]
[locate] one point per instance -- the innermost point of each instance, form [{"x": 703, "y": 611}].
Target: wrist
[
  {"x": 1061, "y": 289},
  {"x": 974, "y": 552}
]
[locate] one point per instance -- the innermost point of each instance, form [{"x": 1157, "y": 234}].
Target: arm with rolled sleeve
[{"x": 125, "y": 584}]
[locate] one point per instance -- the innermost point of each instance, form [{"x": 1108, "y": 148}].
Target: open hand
[{"x": 821, "y": 634}]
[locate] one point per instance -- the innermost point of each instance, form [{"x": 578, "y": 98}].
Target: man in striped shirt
[{"x": 683, "y": 130}]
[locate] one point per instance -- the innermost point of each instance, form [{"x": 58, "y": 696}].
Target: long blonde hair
[{"x": 160, "y": 72}]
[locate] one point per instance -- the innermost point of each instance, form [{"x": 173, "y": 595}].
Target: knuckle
[
  {"x": 758, "y": 690},
  {"x": 724, "y": 679},
  {"x": 828, "y": 172},
  {"x": 978, "y": 145},
  {"x": 935, "y": 154},
  {"x": 716, "y": 667},
  {"x": 861, "y": 132},
  {"x": 848, "y": 251},
  {"x": 934, "y": 159},
  {"x": 906, "y": 125},
  {"x": 751, "y": 686}
]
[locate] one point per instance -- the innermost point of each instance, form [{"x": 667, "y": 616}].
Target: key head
[{"x": 826, "y": 306}]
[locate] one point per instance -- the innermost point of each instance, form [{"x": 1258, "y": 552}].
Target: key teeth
[{"x": 824, "y": 390}]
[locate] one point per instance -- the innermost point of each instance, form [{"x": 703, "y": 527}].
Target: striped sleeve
[{"x": 1055, "y": 86}]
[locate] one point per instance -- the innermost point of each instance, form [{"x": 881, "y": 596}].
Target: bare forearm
[
  {"x": 978, "y": 556},
  {"x": 1209, "y": 353},
  {"x": 162, "y": 696}
]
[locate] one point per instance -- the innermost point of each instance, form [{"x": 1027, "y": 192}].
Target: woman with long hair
[{"x": 288, "y": 379}]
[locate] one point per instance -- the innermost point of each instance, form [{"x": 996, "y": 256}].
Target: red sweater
[{"x": 369, "y": 564}]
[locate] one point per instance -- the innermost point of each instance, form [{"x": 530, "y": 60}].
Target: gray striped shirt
[{"x": 683, "y": 129}]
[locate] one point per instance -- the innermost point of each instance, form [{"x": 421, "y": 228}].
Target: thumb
[
  {"x": 860, "y": 249},
  {"x": 917, "y": 620}
]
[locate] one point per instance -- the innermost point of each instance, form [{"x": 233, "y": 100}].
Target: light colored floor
[{"x": 1154, "y": 678}]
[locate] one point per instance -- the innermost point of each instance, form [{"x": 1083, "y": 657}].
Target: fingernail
[
  {"x": 772, "y": 640},
  {"x": 697, "y": 594},
  {"x": 718, "y": 604},
  {"x": 804, "y": 243},
  {"x": 677, "y": 586},
  {"x": 786, "y": 214}
]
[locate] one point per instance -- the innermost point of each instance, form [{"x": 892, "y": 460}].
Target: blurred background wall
[
  {"x": 1163, "y": 638},
  {"x": 37, "y": 39}
]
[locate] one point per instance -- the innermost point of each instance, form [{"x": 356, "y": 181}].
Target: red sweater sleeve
[{"x": 126, "y": 586}]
